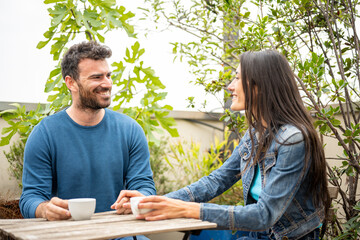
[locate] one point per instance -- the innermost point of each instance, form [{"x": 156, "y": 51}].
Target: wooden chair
[{"x": 333, "y": 192}]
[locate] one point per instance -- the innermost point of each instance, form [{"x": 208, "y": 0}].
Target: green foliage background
[{"x": 71, "y": 20}]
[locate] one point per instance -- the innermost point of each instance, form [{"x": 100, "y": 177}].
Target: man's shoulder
[
  {"x": 49, "y": 124},
  {"x": 113, "y": 115},
  {"x": 54, "y": 118}
]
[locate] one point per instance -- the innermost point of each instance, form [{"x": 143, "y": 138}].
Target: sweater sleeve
[
  {"x": 37, "y": 174},
  {"x": 139, "y": 175}
]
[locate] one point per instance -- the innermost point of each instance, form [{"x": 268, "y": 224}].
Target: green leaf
[
  {"x": 173, "y": 132},
  {"x": 50, "y": 85},
  {"x": 55, "y": 72},
  {"x": 336, "y": 122},
  {"x": 50, "y": 33},
  {"x": 107, "y": 3},
  {"x": 347, "y": 133},
  {"x": 8, "y": 111},
  {"x": 116, "y": 107},
  {"x": 5, "y": 130},
  {"x": 59, "y": 13},
  {"x": 92, "y": 17},
  {"x": 52, "y": 98},
  {"x": 290, "y": 24},
  {"x": 135, "y": 47},
  {"x": 41, "y": 44},
  {"x": 6, "y": 140},
  {"x": 101, "y": 38},
  {"x": 52, "y": 1}
]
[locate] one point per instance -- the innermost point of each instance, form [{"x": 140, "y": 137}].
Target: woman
[{"x": 280, "y": 160}]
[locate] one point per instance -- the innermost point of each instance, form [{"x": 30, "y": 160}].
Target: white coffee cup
[
  {"x": 134, "y": 201},
  {"x": 82, "y": 208}
]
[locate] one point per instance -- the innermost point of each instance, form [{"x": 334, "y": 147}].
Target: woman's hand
[
  {"x": 167, "y": 208},
  {"x": 124, "y": 197}
]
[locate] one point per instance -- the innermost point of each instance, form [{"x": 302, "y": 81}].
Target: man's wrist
[{"x": 40, "y": 210}]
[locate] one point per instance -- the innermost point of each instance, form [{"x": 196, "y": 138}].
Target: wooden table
[{"x": 104, "y": 225}]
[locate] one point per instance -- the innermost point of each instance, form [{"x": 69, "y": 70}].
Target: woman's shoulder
[{"x": 290, "y": 133}]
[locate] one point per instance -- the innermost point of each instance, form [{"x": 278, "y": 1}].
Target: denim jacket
[{"x": 285, "y": 208}]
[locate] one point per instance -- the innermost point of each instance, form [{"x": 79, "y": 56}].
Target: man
[{"x": 85, "y": 150}]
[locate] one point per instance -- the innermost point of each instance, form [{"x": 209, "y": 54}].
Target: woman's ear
[{"x": 71, "y": 83}]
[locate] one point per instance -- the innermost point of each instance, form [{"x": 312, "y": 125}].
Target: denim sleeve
[
  {"x": 282, "y": 184},
  {"x": 37, "y": 173},
  {"x": 139, "y": 175},
  {"x": 213, "y": 185}
]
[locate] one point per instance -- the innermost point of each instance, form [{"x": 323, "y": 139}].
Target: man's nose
[{"x": 107, "y": 81}]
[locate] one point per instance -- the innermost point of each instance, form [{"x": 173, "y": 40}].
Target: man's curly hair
[{"x": 77, "y": 52}]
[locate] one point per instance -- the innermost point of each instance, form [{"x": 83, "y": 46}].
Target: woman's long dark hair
[{"x": 272, "y": 99}]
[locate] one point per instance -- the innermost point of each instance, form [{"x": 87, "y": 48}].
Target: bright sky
[{"x": 24, "y": 68}]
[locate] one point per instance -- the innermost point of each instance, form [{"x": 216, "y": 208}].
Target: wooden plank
[
  {"x": 116, "y": 229},
  {"x": 101, "y": 226},
  {"x": 43, "y": 223},
  {"x": 20, "y": 221},
  {"x": 28, "y": 226},
  {"x": 103, "y": 230},
  {"x": 113, "y": 212}
]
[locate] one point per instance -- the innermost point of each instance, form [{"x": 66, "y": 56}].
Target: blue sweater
[{"x": 67, "y": 160}]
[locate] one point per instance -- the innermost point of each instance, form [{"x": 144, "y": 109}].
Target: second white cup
[{"x": 134, "y": 201}]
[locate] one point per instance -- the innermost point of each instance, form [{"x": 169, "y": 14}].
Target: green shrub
[
  {"x": 188, "y": 164},
  {"x": 15, "y": 158},
  {"x": 160, "y": 167}
]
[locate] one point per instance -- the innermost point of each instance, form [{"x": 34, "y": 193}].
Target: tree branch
[{"x": 352, "y": 161}]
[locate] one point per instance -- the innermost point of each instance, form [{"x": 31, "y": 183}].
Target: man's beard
[{"x": 89, "y": 101}]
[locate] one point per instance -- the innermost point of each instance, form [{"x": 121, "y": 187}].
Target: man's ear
[{"x": 71, "y": 83}]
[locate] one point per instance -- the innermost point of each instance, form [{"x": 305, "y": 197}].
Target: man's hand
[
  {"x": 124, "y": 197},
  {"x": 55, "y": 209}
]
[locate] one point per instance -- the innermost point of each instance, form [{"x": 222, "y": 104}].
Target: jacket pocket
[
  {"x": 244, "y": 153},
  {"x": 269, "y": 161}
]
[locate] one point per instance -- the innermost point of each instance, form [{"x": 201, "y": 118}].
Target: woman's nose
[{"x": 231, "y": 86}]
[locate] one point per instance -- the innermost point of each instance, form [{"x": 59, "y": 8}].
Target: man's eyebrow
[
  {"x": 96, "y": 75},
  {"x": 99, "y": 74}
]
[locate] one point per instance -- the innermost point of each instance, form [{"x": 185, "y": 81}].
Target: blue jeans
[{"x": 314, "y": 235}]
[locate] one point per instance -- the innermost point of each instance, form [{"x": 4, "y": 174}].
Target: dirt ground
[{"x": 10, "y": 209}]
